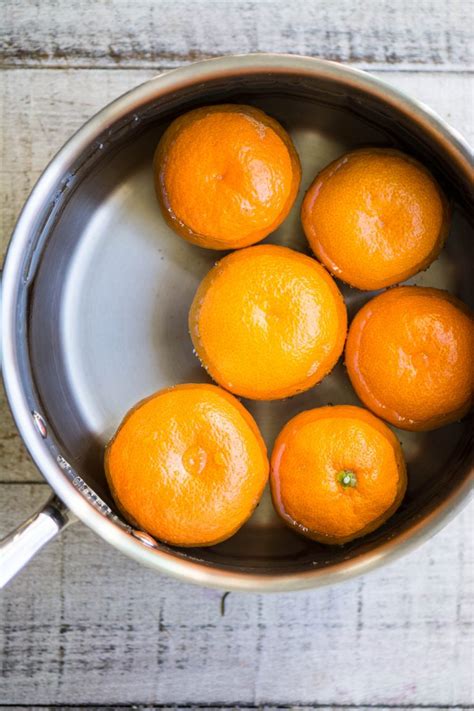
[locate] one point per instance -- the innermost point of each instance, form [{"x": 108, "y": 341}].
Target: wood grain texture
[
  {"x": 247, "y": 707},
  {"x": 147, "y": 33},
  {"x": 16, "y": 465},
  {"x": 83, "y": 624}
]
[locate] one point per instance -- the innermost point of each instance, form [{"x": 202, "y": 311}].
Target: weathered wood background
[{"x": 85, "y": 626}]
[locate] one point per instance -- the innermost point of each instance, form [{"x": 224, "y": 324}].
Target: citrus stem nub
[{"x": 346, "y": 477}]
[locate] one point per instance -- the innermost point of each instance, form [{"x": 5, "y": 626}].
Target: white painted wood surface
[
  {"x": 143, "y": 33},
  {"x": 84, "y": 625}
]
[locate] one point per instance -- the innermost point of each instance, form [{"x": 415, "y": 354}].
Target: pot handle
[{"x": 18, "y": 547}]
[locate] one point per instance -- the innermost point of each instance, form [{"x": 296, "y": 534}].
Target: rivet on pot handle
[{"x": 21, "y": 545}]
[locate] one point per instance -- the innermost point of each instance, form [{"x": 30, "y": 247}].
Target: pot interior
[{"x": 109, "y": 287}]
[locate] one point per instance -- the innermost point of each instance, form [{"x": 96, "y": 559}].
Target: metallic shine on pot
[{"x": 96, "y": 290}]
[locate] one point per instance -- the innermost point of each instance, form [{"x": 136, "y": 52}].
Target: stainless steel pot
[{"x": 96, "y": 290}]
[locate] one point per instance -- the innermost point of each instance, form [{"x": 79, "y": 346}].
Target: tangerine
[
  {"x": 409, "y": 357},
  {"x": 375, "y": 217},
  {"x": 337, "y": 473},
  {"x": 268, "y": 322},
  {"x": 188, "y": 465},
  {"x": 226, "y": 176}
]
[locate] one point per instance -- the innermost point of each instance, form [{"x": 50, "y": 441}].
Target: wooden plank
[
  {"x": 16, "y": 465},
  {"x": 85, "y": 625},
  {"x": 147, "y": 33}
]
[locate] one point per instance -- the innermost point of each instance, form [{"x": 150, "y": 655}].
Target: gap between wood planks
[
  {"x": 244, "y": 706},
  {"x": 387, "y": 69}
]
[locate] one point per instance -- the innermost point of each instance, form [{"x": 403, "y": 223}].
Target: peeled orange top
[
  {"x": 268, "y": 322},
  {"x": 226, "y": 176},
  {"x": 409, "y": 357},
  {"x": 375, "y": 217},
  {"x": 188, "y": 465},
  {"x": 337, "y": 473}
]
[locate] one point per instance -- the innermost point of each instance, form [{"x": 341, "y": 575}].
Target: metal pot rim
[{"x": 163, "y": 561}]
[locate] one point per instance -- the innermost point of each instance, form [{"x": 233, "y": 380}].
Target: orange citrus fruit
[
  {"x": 268, "y": 322},
  {"x": 337, "y": 473},
  {"x": 187, "y": 465},
  {"x": 409, "y": 357},
  {"x": 375, "y": 217},
  {"x": 226, "y": 176}
]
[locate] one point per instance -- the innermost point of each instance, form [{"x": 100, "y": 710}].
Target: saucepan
[{"x": 96, "y": 290}]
